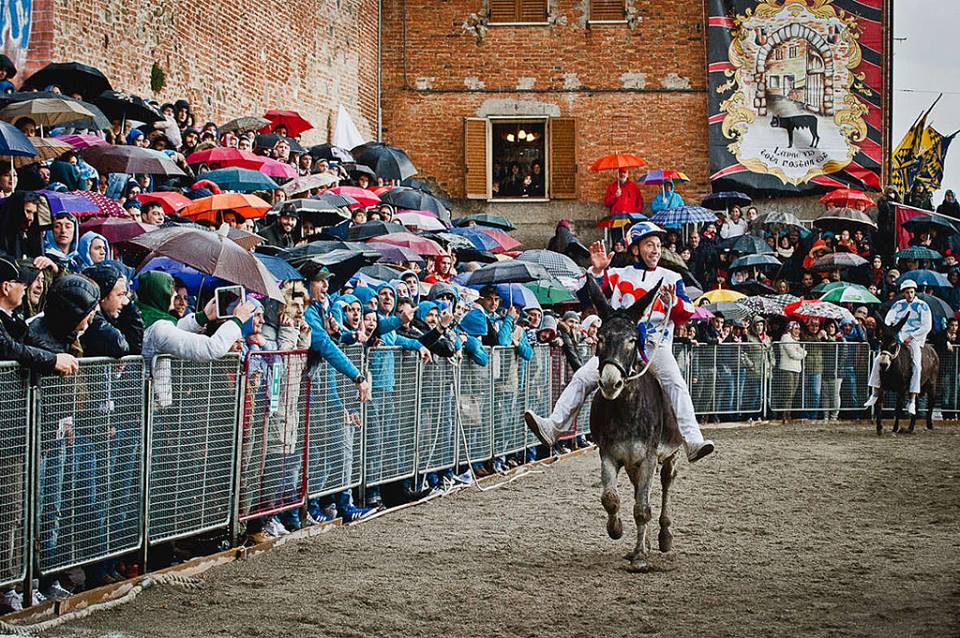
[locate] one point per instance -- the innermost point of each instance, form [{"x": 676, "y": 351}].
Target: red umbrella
[
  {"x": 380, "y": 190},
  {"x": 847, "y": 198},
  {"x": 616, "y": 161},
  {"x": 419, "y": 245},
  {"x": 364, "y": 197},
  {"x": 220, "y": 155},
  {"x": 116, "y": 230},
  {"x": 290, "y": 119},
  {"x": 107, "y": 206},
  {"x": 268, "y": 166},
  {"x": 172, "y": 202},
  {"x": 506, "y": 241}
]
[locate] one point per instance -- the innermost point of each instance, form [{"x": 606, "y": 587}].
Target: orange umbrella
[
  {"x": 209, "y": 208},
  {"x": 847, "y": 198},
  {"x": 617, "y": 161}
]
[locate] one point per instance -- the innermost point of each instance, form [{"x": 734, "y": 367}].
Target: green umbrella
[
  {"x": 243, "y": 180},
  {"x": 918, "y": 252},
  {"x": 550, "y": 291},
  {"x": 851, "y": 293},
  {"x": 819, "y": 289}
]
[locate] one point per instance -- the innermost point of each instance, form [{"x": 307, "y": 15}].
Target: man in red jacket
[{"x": 623, "y": 195}]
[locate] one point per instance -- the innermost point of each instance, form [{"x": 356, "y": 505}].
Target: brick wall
[{"x": 227, "y": 58}]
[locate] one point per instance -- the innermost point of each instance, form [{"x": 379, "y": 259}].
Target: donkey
[
  {"x": 895, "y": 369},
  {"x": 633, "y": 424}
]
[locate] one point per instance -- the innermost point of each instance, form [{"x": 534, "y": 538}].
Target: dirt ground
[{"x": 798, "y": 530}]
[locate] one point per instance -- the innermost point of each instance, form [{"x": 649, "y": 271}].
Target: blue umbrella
[
  {"x": 279, "y": 268},
  {"x": 754, "y": 260},
  {"x": 517, "y": 295},
  {"x": 238, "y": 179},
  {"x": 684, "y": 215},
  {"x": 195, "y": 280},
  {"x": 13, "y": 143},
  {"x": 930, "y": 278},
  {"x": 477, "y": 237}
]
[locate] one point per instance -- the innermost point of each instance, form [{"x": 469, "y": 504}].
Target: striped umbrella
[
  {"x": 684, "y": 215},
  {"x": 658, "y": 176},
  {"x": 556, "y": 264}
]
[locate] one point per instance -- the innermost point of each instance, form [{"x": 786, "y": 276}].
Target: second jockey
[{"x": 624, "y": 286}]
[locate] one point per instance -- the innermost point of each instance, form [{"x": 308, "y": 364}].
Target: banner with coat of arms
[{"x": 796, "y": 94}]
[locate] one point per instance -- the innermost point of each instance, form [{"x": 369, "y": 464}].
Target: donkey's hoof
[
  {"x": 929, "y": 426},
  {"x": 614, "y": 528},
  {"x": 639, "y": 566},
  {"x": 665, "y": 540},
  {"x": 879, "y": 430}
]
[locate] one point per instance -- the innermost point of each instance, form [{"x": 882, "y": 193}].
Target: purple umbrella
[
  {"x": 76, "y": 205},
  {"x": 394, "y": 254}
]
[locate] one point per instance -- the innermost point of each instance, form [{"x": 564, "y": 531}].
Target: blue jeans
[
  {"x": 52, "y": 463},
  {"x": 811, "y": 398}
]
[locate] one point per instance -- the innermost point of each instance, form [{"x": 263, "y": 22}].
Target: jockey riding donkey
[{"x": 624, "y": 286}]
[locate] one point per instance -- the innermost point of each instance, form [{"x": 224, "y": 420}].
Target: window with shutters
[
  {"x": 518, "y": 11},
  {"x": 608, "y": 11}
]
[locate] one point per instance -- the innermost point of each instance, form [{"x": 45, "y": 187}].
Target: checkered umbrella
[
  {"x": 769, "y": 305},
  {"x": 730, "y": 310},
  {"x": 777, "y": 221},
  {"x": 837, "y": 261},
  {"x": 684, "y": 215},
  {"x": 556, "y": 264},
  {"x": 816, "y": 309}
]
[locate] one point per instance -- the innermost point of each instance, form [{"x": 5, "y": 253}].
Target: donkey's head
[
  {"x": 617, "y": 341},
  {"x": 889, "y": 344}
]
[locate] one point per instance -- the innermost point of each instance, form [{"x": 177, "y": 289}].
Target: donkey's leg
[
  {"x": 641, "y": 475},
  {"x": 609, "y": 496},
  {"x": 879, "y": 413},
  {"x": 667, "y": 474},
  {"x": 896, "y": 413}
]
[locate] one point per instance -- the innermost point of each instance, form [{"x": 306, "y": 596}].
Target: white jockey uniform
[{"x": 918, "y": 325}]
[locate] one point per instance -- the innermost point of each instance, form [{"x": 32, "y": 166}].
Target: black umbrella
[
  {"x": 337, "y": 201},
  {"x": 320, "y": 247},
  {"x": 315, "y": 211},
  {"x": 508, "y": 272},
  {"x": 108, "y": 158},
  {"x": 7, "y": 65},
  {"x": 922, "y": 223},
  {"x": 359, "y": 169},
  {"x": 380, "y": 272},
  {"x": 746, "y": 245},
  {"x": 837, "y": 219},
  {"x": 331, "y": 152},
  {"x": 420, "y": 185},
  {"x": 412, "y": 199},
  {"x": 341, "y": 263},
  {"x": 754, "y": 287},
  {"x": 295, "y": 146},
  {"x": 126, "y": 106},
  {"x": 473, "y": 254},
  {"x": 266, "y": 140},
  {"x": 70, "y": 77},
  {"x": 373, "y": 229},
  {"x": 726, "y": 199},
  {"x": 389, "y": 162}
]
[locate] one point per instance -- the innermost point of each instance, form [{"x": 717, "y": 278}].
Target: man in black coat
[
  {"x": 117, "y": 327},
  {"x": 282, "y": 233}
]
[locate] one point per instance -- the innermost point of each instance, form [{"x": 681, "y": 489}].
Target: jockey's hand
[
  {"x": 668, "y": 294},
  {"x": 907, "y": 341},
  {"x": 599, "y": 258}
]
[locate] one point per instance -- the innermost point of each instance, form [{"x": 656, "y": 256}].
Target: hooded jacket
[
  {"x": 13, "y": 329},
  {"x": 71, "y": 299},
  {"x": 16, "y": 241},
  {"x": 666, "y": 199},
  {"x": 51, "y": 250},
  {"x": 65, "y": 173},
  {"x": 82, "y": 259}
]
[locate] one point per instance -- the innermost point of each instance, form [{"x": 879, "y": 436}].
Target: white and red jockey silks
[{"x": 625, "y": 285}]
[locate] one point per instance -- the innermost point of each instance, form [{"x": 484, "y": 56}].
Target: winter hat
[
  {"x": 105, "y": 276},
  {"x": 571, "y": 314}
]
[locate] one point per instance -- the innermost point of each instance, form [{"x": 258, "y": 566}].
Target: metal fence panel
[
  {"x": 273, "y": 436},
  {"x": 193, "y": 443},
  {"x": 437, "y": 440},
  {"x": 728, "y": 378},
  {"x": 509, "y": 431},
  {"x": 14, "y": 468},
  {"x": 539, "y": 394},
  {"x": 476, "y": 409},
  {"x": 390, "y": 429},
  {"x": 335, "y": 456},
  {"x": 833, "y": 378},
  {"x": 90, "y": 432},
  {"x": 949, "y": 384},
  {"x": 583, "y": 419}
]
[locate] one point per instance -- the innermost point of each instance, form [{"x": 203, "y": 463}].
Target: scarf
[{"x": 153, "y": 297}]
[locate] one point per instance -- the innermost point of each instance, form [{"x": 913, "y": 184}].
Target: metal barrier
[
  {"x": 832, "y": 379},
  {"x": 539, "y": 395},
  {"x": 476, "y": 409},
  {"x": 390, "y": 429},
  {"x": 583, "y": 419},
  {"x": 335, "y": 449},
  {"x": 509, "y": 431},
  {"x": 949, "y": 384},
  {"x": 193, "y": 426},
  {"x": 728, "y": 378},
  {"x": 15, "y": 448},
  {"x": 276, "y": 404},
  {"x": 89, "y": 489},
  {"x": 437, "y": 435}
]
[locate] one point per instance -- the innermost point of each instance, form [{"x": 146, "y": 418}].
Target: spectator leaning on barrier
[
  {"x": 117, "y": 327},
  {"x": 568, "y": 329}
]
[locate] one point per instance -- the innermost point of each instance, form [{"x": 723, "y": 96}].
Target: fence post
[
  {"x": 241, "y": 403},
  {"x": 31, "y": 514}
]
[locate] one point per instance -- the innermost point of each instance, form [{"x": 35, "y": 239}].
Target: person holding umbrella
[
  {"x": 625, "y": 286},
  {"x": 623, "y": 195},
  {"x": 666, "y": 199},
  {"x": 913, "y": 335}
]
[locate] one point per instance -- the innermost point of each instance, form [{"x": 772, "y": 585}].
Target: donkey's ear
[
  {"x": 895, "y": 328},
  {"x": 639, "y": 307},
  {"x": 591, "y": 290}
]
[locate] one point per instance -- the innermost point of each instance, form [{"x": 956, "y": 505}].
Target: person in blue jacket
[{"x": 666, "y": 198}]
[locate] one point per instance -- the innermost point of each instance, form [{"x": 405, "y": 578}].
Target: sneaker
[
  {"x": 38, "y": 598},
  {"x": 353, "y": 513},
  {"x": 705, "y": 448},
  {"x": 542, "y": 428},
  {"x": 466, "y": 477},
  {"x": 912, "y": 407},
  {"x": 12, "y": 600},
  {"x": 55, "y": 591},
  {"x": 274, "y": 528},
  {"x": 872, "y": 400}
]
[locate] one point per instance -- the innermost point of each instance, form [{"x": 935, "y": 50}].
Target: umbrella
[
  {"x": 46, "y": 111},
  {"x": 391, "y": 254},
  {"x": 420, "y": 221},
  {"x": 753, "y": 287},
  {"x": 331, "y": 152},
  {"x": 816, "y": 309},
  {"x": 420, "y": 245},
  {"x": 106, "y": 205},
  {"x": 837, "y": 261},
  {"x": 241, "y": 124},
  {"x": 69, "y": 203},
  {"x": 379, "y": 272},
  {"x": 718, "y": 295},
  {"x": 356, "y": 170},
  {"x": 684, "y": 215},
  {"x": 746, "y": 245},
  {"x": 220, "y": 155},
  {"x": 518, "y": 295},
  {"x": 239, "y": 179},
  {"x": 755, "y": 261},
  {"x": 849, "y": 294},
  {"x": 70, "y": 78},
  {"x": 473, "y": 254},
  {"x": 551, "y": 291},
  {"x": 13, "y": 143},
  {"x": 319, "y": 248},
  {"x": 837, "y": 219},
  {"x": 478, "y": 238},
  {"x": 454, "y": 242},
  {"x": 827, "y": 286},
  {"x": 701, "y": 312},
  {"x": 847, "y": 198},
  {"x": 505, "y": 241},
  {"x": 616, "y": 161},
  {"x": 413, "y": 199},
  {"x": 291, "y": 120},
  {"x": 245, "y": 239},
  {"x": 171, "y": 201},
  {"x": 116, "y": 230},
  {"x": 730, "y": 310},
  {"x": 389, "y": 162},
  {"x": 126, "y": 106},
  {"x": 504, "y": 272},
  {"x": 369, "y": 230},
  {"x": 930, "y": 278},
  {"x": 776, "y": 221},
  {"x": 310, "y": 182},
  {"x": 361, "y": 196},
  {"x": 78, "y": 142},
  {"x": 767, "y": 305},
  {"x": 486, "y": 219},
  {"x": 556, "y": 264},
  {"x": 129, "y": 159},
  {"x": 47, "y": 148},
  {"x": 316, "y": 211},
  {"x": 657, "y": 177},
  {"x": 212, "y": 253},
  {"x": 918, "y": 252},
  {"x": 725, "y": 199},
  {"x": 195, "y": 281},
  {"x": 922, "y": 223},
  {"x": 343, "y": 263},
  {"x": 619, "y": 220},
  {"x": 268, "y": 166},
  {"x": 280, "y": 269},
  {"x": 208, "y": 208}
]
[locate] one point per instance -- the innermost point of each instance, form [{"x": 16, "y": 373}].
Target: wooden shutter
[
  {"x": 533, "y": 10},
  {"x": 563, "y": 158},
  {"x": 607, "y": 10},
  {"x": 503, "y": 10},
  {"x": 476, "y": 177},
  {"x": 518, "y": 11}
]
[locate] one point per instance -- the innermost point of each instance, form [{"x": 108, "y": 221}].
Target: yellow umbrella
[{"x": 718, "y": 295}]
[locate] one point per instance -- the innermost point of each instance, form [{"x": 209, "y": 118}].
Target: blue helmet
[{"x": 643, "y": 229}]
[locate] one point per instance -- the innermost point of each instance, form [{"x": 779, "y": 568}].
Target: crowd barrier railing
[
  {"x": 125, "y": 455},
  {"x": 832, "y": 378}
]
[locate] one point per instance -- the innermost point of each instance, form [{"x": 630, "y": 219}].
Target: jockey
[
  {"x": 624, "y": 286},
  {"x": 913, "y": 335}
]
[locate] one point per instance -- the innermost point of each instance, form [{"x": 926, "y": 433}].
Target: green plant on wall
[{"x": 158, "y": 79}]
